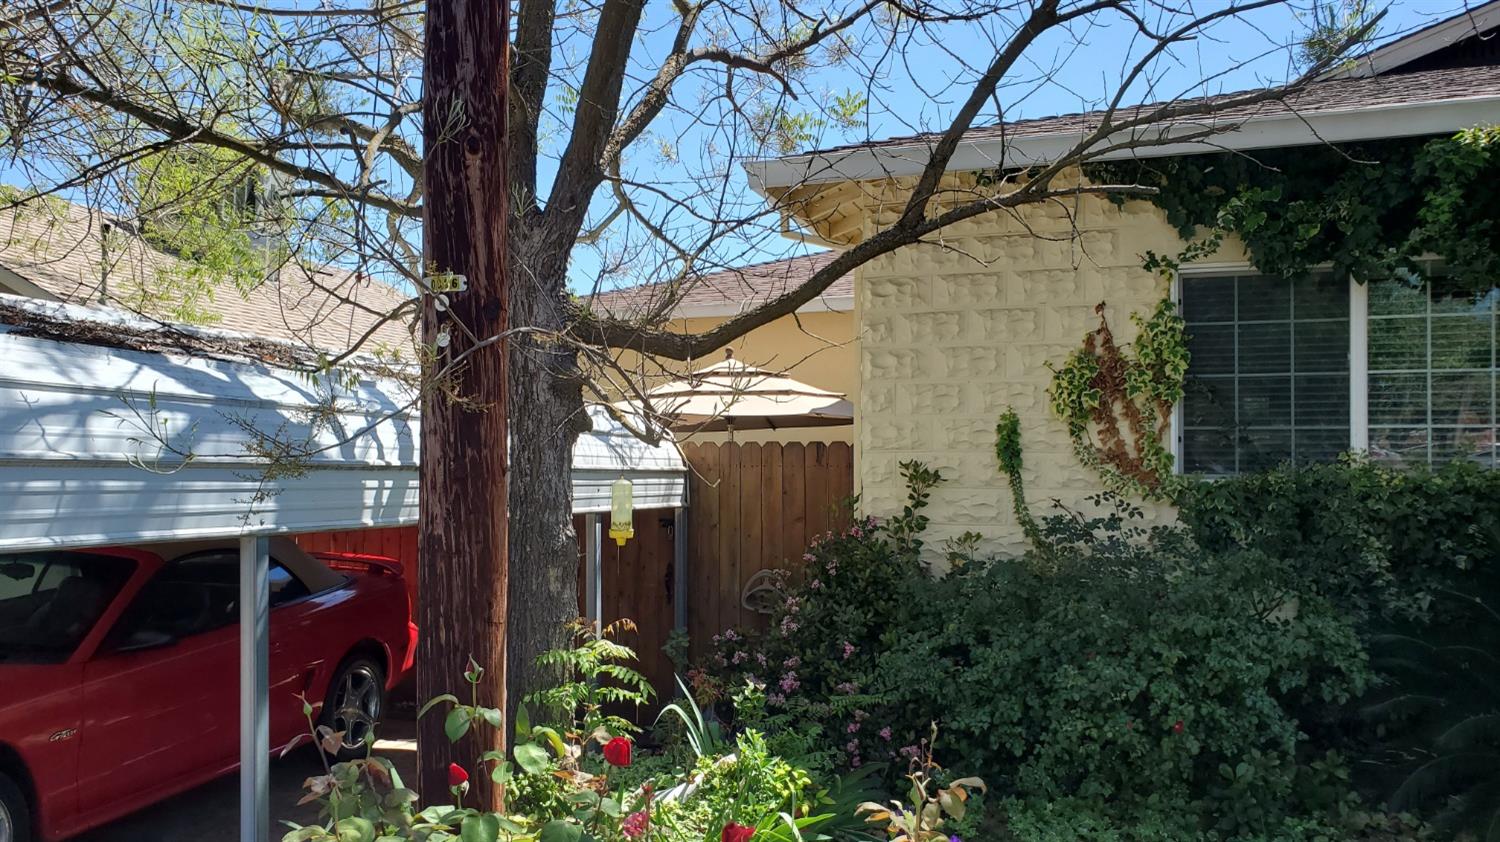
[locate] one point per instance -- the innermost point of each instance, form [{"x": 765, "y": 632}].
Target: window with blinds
[
  {"x": 1432, "y": 373},
  {"x": 1268, "y": 381}
]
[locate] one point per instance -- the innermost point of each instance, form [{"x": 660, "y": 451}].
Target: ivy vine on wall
[
  {"x": 1369, "y": 210},
  {"x": 1008, "y": 454},
  {"x": 1118, "y": 405}
]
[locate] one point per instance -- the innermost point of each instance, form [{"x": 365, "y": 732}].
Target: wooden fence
[{"x": 755, "y": 507}]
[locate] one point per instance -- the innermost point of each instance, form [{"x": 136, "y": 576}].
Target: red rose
[
  {"x": 1177, "y": 727},
  {"x": 736, "y": 833},
  {"x": 456, "y": 775},
  {"x": 617, "y": 752}
]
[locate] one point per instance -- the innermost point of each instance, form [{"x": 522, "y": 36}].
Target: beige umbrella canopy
[{"x": 731, "y": 396}]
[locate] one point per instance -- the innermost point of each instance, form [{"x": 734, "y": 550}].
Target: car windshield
[{"x": 49, "y": 601}]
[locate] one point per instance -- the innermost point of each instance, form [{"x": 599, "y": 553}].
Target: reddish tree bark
[{"x": 463, "y": 538}]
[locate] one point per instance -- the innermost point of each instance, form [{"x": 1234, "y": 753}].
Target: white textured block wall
[{"x": 952, "y": 334}]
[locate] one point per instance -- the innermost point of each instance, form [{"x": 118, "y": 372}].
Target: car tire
[
  {"x": 15, "y": 815},
  {"x": 356, "y": 700}
]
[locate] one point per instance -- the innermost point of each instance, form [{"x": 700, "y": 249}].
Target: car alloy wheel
[
  {"x": 7, "y": 827},
  {"x": 356, "y": 707}
]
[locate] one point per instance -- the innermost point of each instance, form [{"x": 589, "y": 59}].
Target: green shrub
[
  {"x": 1375, "y": 540},
  {"x": 1164, "y": 685},
  {"x": 1170, "y": 682}
]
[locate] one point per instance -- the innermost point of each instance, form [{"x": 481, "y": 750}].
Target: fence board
[
  {"x": 773, "y": 553},
  {"x": 729, "y": 537},
  {"x": 703, "y": 543},
  {"x": 750, "y": 559},
  {"x": 794, "y": 501},
  {"x": 819, "y": 490}
]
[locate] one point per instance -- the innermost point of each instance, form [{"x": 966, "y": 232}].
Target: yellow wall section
[{"x": 953, "y": 334}]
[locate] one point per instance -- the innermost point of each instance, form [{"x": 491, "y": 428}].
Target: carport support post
[
  {"x": 255, "y": 713},
  {"x": 593, "y": 569},
  {"x": 679, "y": 568}
]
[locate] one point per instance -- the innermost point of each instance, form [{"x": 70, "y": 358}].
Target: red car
[{"x": 119, "y": 670}]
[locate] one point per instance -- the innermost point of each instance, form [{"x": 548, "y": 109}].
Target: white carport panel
[
  {"x": 610, "y": 451},
  {"x": 92, "y": 441}
]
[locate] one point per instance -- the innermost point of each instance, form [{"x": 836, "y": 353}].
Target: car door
[
  {"x": 295, "y": 659},
  {"x": 161, "y": 695}
]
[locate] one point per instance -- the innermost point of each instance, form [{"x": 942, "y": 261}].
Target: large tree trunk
[
  {"x": 548, "y": 417},
  {"x": 462, "y": 542}
]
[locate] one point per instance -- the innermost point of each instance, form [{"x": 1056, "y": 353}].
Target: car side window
[
  {"x": 190, "y": 596},
  {"x": 285, "y": 586},
  {"x": 49, "y": 601},
  {"x": 199, "y": 593}
]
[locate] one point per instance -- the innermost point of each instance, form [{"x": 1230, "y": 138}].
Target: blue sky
[{"x": 1068, "y": 72}]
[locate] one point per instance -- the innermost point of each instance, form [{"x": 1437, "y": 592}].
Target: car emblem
[{"x": 64, "y": 734}]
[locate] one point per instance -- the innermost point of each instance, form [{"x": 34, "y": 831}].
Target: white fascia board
[
  {"x": 1263, "y": 132},
  {"x": 1419, "y": 44},
  {"x": 727, "y": 309}
]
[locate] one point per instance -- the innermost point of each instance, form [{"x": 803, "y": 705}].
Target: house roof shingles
[
  {"x": 1333, "y": 95},
  {"x": 731, "y": 290},
  {"x": 60, "y": 248}
]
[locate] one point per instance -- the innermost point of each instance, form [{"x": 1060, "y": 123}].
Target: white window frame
[
  {"x": 1359, "y": 351},
  {"x": 1359, "y": 359}
]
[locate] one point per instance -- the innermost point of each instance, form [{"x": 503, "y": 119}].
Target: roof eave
[
  {"x": 728, "y": 309},
  {"x": 1378, "y": 122}
]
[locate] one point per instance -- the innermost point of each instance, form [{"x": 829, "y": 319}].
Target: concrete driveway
[{"x": 211, "y": 812}]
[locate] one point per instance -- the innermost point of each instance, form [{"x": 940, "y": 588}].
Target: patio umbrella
[{"x": 731, "y": 396}]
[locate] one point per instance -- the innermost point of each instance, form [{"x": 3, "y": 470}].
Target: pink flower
[
  {"x": 776, "y": 699},
  {"x": 634, "y": 826},
  {"x": 885, "y": 733},
  {"x": 853, "y": 728},
  {"x": 792, "y": 662},
  {"x": 808, "y": 557},
  {"x": 739, "y": 657},
  {"x": 848, "y": 650},
  {"x": 1177, "y": 727},
  {"x": 789, "y": 682}
]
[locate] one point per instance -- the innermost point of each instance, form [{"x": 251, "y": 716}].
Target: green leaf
[
  {"x": 560, "y": 831},
  {"x": 437, "y": 700},
  {"x": 533, "y": 758},
  {"x": 502, "y": 773},
  {"x": 354, "y": 829},
  {"x": 481, "y": 828},
  {"x": 523, "y": 723},
  {"x": 457, "y": 723},
  {"x": 492, "y": 716}
]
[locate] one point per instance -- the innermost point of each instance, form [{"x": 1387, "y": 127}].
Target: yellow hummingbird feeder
[{"x": 621, "y": 511}]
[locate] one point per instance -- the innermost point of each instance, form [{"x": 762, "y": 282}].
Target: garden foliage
[{"x": 1190, "y": 682}]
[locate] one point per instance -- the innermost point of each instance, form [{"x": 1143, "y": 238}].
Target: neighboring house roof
[
  {"x": 1333, "y": 111},
  {"x": 732, "y": 291},
  {"x": 1465, "y": 40},
  {"x": 57, "y": 250}
]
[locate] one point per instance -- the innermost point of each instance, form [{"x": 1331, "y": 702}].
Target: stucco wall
[
  {"x": 816, "y": 348},
  {"x": 953, "y": 334}
]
